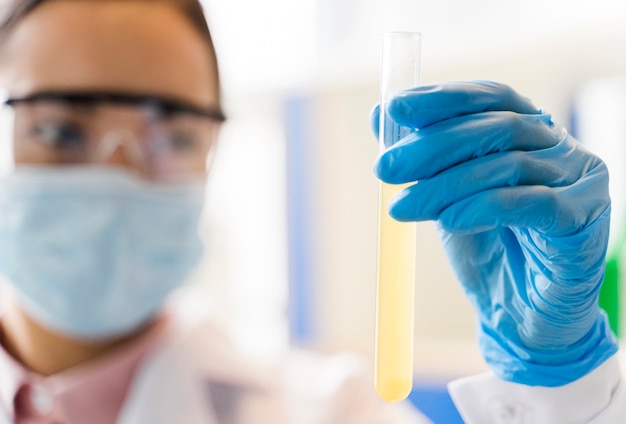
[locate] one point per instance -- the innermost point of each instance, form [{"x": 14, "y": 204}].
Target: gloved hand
[{"x": 523, "y": 211}]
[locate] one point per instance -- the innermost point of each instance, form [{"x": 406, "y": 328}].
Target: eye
[
  {"x": 59, "y": 135},
  {"x": 183, "y": 142}
]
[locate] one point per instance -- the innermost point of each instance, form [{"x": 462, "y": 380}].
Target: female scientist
[{"x": 110, "y": 118}]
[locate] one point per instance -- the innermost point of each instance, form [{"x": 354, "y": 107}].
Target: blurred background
[{"x": 292, "y": 216}]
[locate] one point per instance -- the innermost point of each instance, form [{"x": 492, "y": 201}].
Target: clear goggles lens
[{"x": 162, "y": 138}]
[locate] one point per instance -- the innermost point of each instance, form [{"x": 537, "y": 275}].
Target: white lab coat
[{"x": 198, "y": 377}]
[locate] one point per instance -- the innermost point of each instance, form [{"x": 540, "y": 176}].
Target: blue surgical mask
[{"x": 93, "y": 252}]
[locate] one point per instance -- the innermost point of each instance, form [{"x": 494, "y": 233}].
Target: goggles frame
[
  {"x": 164, "y": 104},
  {"x": 159, "y": 107}
]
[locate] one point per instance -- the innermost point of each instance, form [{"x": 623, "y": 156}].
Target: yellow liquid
[{"x": 393, "y": 375}]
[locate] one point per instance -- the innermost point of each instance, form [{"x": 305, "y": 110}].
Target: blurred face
[
  {"x": 128, "y": 84},
  {"x": 133, "y": 71}
]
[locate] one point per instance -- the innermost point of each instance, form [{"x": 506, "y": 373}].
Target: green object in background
[{"x": 609, "y": 293}]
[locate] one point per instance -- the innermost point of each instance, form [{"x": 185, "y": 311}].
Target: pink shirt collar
[{"x": 93, "y": 392}]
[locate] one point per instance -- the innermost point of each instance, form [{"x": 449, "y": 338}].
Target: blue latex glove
[{"x": 523, "y": 211}]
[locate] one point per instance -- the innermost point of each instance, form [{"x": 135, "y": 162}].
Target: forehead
[{"x": 134, "y": 46}]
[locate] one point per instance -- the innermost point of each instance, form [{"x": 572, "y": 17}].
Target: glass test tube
[{"x": 393, "y": 376}]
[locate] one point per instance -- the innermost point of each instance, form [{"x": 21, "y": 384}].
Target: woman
[{"x": 111, "y": 114}]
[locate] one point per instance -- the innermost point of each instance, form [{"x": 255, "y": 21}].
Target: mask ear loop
[{"x": 125, "y": 139}]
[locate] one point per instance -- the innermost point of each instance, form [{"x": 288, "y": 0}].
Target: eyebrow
[{"x": 166, "y": 104}]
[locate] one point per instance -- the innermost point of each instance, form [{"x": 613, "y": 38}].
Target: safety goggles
[{"x": 164, "y": 139}]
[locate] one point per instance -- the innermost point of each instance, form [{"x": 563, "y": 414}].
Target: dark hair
[{"x": 192, "y": 9}]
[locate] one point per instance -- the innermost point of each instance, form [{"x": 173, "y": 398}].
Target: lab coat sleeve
[{"x": 597, "y": 398}]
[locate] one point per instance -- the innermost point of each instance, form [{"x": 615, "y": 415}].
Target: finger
[
  {"x": 440, "y": 146},
  {"x": 425, "y": 105},
  {"x": 427, "y": 199},
  {"x": 554, "y": 211}
]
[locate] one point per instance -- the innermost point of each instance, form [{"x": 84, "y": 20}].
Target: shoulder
[{"x": 237, "y": 382}]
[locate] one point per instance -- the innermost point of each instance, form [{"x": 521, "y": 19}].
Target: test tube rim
[{"x": 402, "y": 34}]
